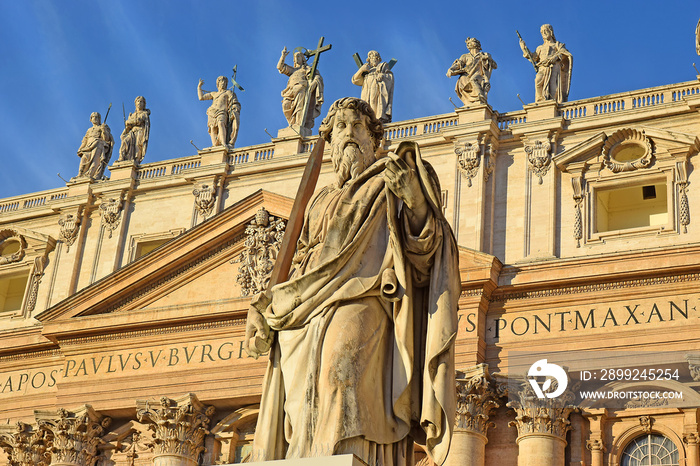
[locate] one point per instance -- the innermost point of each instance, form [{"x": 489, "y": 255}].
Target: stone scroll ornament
[
  {"x": 204, "y": 199},
  {"x": 25, "y": 445},
  {"x": 539, "y": 158},
  {"x": 469, "y": 159},
  {"x": 37, "y": 274},
  {"x": 109, "y": 211},
  {"x": 577, "y": 184},
  {"x": 263, "y": 239},
  {"x": 70, "y": 226},
  {"x": 682, "y": 182}
]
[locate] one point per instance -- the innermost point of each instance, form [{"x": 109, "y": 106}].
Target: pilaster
[
  {"x": 76, "y": 435},
  {"x": 596, "y": 441},
  {"x": 180, "y": 427}
]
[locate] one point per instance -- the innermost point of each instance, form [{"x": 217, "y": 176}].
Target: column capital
[
  {"x": 76, "y": 434},
  {"x": 541, "y": 416},
  {"x": 25, "y": 445},
  {"x": 179, "y": 426},
  {"x": 476, "y": 399}
]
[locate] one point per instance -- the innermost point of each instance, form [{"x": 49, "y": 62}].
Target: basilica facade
[{"x": 123, "y": 301}]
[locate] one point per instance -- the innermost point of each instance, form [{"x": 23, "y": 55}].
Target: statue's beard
[{"x": 350, "y": 159}]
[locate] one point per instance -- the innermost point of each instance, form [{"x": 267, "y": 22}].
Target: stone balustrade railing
[
  {"x": 28, "y": 201},
  {"x": 419, "y": 126}
]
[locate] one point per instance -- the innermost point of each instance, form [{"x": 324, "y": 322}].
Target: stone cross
[
  {"x": 317, "y": 55},
  {"x": 233, "y": 78}
]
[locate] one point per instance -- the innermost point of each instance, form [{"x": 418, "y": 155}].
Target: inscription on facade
[{"x": 115, "y": 363}]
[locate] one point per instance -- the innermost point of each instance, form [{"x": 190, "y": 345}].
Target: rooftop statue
[
  {"x": 224, "y": 114},
  {"x": 136, "y": 131},
  {"x": 356, "y": 365},
  {"x": 303, "y": 97},
  {"x": 377, "y": 83},
  {"x": 697, "y": 38},
  {"x": 474, "y": 71},
  {"x": 96, "y": 149},
  {"x": 553, "y": 64}
]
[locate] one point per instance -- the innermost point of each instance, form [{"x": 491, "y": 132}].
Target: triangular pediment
[
  {"x": 190, "y": 270},
  {"x": 589, "y": 151}
]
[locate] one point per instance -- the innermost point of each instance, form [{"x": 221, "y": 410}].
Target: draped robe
[{"x": 363, "y": 359}]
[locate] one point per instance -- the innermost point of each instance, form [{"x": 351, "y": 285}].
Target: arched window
[{"x": 650, "y": 449}]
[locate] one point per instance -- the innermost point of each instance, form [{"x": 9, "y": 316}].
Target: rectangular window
[
  {"x": 632, "y": 206},
  {"x": 12, "y": 289}
]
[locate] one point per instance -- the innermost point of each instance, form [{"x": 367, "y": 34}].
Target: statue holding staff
[
  {"x": 137, "y": 129},
  {"x": 553, "y": 64}
]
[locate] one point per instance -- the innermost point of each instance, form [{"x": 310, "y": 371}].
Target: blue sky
[{"x": 62, "y": 60}]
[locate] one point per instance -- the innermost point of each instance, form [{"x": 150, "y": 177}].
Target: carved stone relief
[
  {"x": 469, "y": 159},
  {"x": 179, "y": 426},
  {"x": 627, "y": 150},
  {"x": 263, "y": 239},
  {"x": 135, "y": 446},
  {"x": 645, "y": 422},
  {"x": 70, "y": 226},
  {"x": 110, "y": 210},
  {"x": 25, "y": 445},
  {"x": 577, "y": 183},
  {"x": 682, "y": 183},
  {"x": 204, "y": 199},
  {"x": 8, "y": 236},
  {"x": 595, "y": 445},
  {"x": 539, "y": 157},
  {"x": 76, "y": 435},
  {"x": 35, "y": 280},
  {"x": 691, "y": 438}
]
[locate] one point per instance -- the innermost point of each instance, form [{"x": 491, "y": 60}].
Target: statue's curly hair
[{"x": 373, "y": 124}]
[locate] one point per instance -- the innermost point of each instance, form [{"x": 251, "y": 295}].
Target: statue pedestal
[
  {"x": 339, "y": 460},
  {"x": 293, "y": 131},
  {"x": 474, "y": 113},
  {"x": 213, "y": 155},
  {"x": 79, "y": 186},
  {"x": 124, "y": 170},
  {"x": 541, "y": 111}
]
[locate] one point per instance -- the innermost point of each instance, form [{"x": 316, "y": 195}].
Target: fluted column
[
  {"x": 180, "y": 426},
  {"x": 76, "y": 435},
  {"x": 25, "y": 445},
  {"x": 542, "y": 426},
  {"x": 475, "y": 401},
  {"x": 692, "y": 439}
]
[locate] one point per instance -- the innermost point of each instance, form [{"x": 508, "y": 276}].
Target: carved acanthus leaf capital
[
  {"x": 76, "y": 434},
  {"x": 691, "y": 438},
  {"x": 476, "y": 399},
  {"x": 25, "y": 445},
  {"x": 263, "y": 239},
  {"x": 535, "y": 415},
  {"x": 179, "y": 425}
]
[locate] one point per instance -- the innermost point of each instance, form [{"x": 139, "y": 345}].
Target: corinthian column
[
  {"x": 76, "y": 435},
  {"x": 542, "y": 425},
  {"x": 25, "y": 445},
  {"x": 475, "y": 402},
  {"x": 180, "y": 426}
]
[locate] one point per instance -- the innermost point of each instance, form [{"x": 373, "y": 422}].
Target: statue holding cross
[{"x": 303, "y": 97}]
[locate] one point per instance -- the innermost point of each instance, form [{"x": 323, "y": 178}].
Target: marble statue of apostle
[
  {"x": 697, "y": 38},
  {"x": 474, "y": 71},
  {"x": 136, "y": 131},
  {"x": 362, "y": 359},
  {"x": 223, "y": 116},
  {"x": 96, "y": 149},
  {"x": 298, "y": 87},
  {"x": 554, "y": 64},
  {"x": 377, "y": 83}
]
